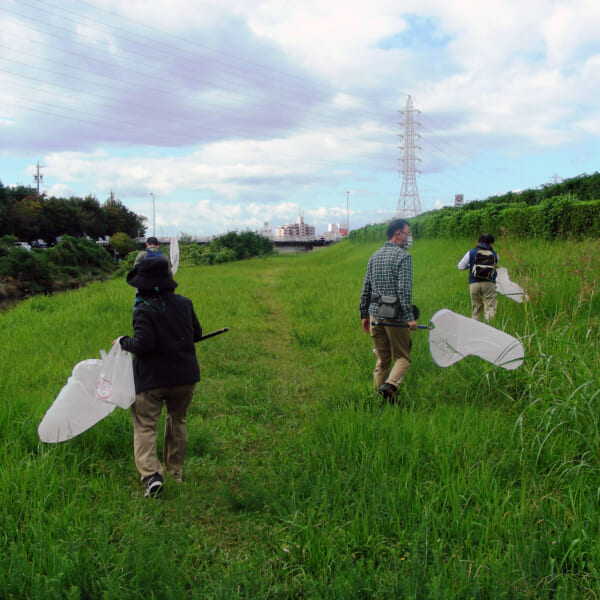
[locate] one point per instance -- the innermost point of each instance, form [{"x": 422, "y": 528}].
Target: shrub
[
  {"x": 31, "y": 271},
  {"x": 72, "y": 251},
  {"x": 120, "y": 242},
  {"x": 244, "y": 245}
]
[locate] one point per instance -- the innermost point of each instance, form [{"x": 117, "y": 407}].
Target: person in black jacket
[{"x": 165, "y": 370}]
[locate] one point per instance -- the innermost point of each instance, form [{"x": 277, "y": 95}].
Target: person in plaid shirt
[{"x": 389, "y": 273}]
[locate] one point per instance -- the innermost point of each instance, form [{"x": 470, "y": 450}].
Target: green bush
[
  {"x": 31, "y": 271},
  {"x": 559, "y": 217},
  {"x": 370, "y": 233},
  {"x": 72, "y": 251},
  {"x": 122, "y": 243},
  {"x": 7, "y": 243},
  {"x": 244, "y": 245}
]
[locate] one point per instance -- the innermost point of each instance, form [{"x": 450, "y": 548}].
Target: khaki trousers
[
  {"x": 145, "y": 414},
  {"x": 483, "y": 300},
  {"x": 392, "y": 345}
]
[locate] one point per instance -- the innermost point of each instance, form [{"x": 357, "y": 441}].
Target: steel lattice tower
[{"x": 409, "y": 204}]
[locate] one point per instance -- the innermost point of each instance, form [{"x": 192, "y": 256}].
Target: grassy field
[{"x": 481, "y": 483}]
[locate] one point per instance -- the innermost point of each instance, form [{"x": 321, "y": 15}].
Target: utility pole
[
  {"x": 348, "y": 213},
  {"x": 409, "y": 204},
  {"x": 153, "y": 215},
  {"x": 38, "y": 177}
]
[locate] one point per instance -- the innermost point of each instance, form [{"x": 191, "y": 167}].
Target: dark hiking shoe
[
  {"x": 154, "y": 486},
  {"x": 388, "y": 391}
]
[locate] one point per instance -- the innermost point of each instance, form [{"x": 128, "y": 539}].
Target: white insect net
[{"x": 454, "y": 336}]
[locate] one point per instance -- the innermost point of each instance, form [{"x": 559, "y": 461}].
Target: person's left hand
[
  {"x": 413, "y": 325},
  {"x": 365, "y": 325}
]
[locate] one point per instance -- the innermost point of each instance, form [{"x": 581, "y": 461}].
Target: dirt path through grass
[{"x": 254, "y": 403}]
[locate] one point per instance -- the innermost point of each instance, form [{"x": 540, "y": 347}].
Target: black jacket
[{"x": 165, "y": 329}]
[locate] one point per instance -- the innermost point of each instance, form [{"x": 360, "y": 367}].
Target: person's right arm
[{"x": 464, "y": 261}]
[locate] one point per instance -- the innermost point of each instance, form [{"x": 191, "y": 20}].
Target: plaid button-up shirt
[{"x": 389, "y": 273}]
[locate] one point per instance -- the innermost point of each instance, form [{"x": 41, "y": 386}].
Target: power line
[{"x": 149, "y": 90}]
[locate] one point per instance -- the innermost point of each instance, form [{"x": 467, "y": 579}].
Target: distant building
[
  {"x": 296, "y": 230},
  {"x": 335, "y": 232},
  {"x": 266, "y": 231}
]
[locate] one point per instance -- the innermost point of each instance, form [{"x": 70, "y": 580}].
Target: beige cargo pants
[{"x": 145, "y": 414}]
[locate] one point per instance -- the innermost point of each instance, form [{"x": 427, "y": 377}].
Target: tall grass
[{"x": 481, "y": 483}]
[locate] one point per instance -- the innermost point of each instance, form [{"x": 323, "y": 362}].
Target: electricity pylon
[{"x": 409, "y": 204}]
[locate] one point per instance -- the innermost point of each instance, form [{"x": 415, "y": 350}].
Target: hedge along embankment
[{"x": 558, "y": 217}]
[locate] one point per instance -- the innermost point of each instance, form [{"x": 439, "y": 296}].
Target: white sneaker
[{"x": 154, "y": 486}]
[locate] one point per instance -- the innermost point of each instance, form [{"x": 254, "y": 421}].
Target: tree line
[{"x": 29, "y": 217}]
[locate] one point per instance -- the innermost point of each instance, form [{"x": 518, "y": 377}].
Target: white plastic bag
[
  {"x": 76, "y": 408},
  {"x": 115, "y": 383}
]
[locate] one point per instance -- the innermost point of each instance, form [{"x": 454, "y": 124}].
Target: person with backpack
[
  {"x": 482, "y": 262},
  {"x": 152, "y": 251}
]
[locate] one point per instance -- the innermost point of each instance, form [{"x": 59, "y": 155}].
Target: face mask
[{"x": 409, "y": 242}]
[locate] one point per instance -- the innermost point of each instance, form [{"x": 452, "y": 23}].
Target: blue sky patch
[{"x": 421, "y": 32}]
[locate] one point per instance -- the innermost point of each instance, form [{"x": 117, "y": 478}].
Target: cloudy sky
[{"x": 233, "y": 113}]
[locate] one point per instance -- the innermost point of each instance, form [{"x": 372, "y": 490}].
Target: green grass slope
[{"x": 482, "y": 483}]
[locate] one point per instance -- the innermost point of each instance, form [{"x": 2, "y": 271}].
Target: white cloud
[
  {"x": 571, "y": 29},
  {"x": 89, "y": 33},
  {"x": 235, "y": 113},
  {"x": 60, "y": 190},
  {"x": 326, "y": 36}
]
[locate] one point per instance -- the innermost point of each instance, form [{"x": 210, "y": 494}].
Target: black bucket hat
[{"x": 151, "y": 273}]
